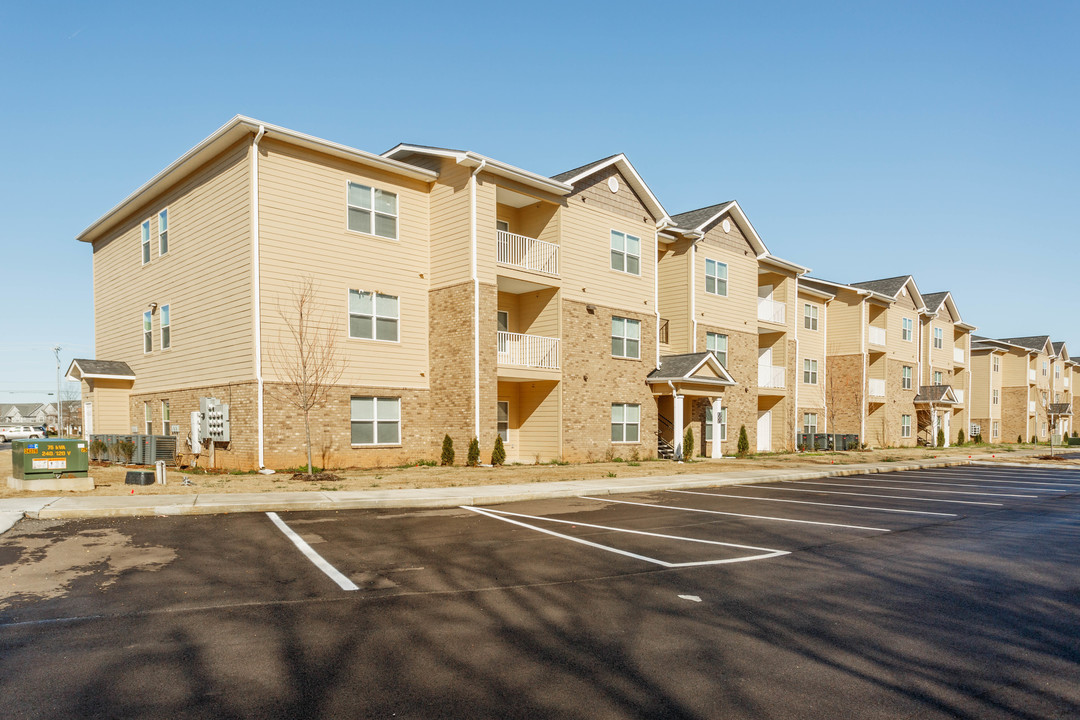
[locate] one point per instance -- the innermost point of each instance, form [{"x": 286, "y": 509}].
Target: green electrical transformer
[{"x": 40, "y": 459}]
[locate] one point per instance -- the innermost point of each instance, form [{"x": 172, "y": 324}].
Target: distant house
[{"x": 27, "y": 413}]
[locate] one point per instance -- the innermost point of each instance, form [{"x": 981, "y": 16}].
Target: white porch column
[
  {"x": 717, "y": 450},
  {"x": 933, "y": 426},
  {"x": 948, "y": 426},
  {"x": 677, "y": 425}
]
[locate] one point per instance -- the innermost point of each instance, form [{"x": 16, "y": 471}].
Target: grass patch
[{"x": 611, "y": 474}]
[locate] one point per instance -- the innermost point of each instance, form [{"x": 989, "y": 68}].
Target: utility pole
[{"x": 59, "y": 401}]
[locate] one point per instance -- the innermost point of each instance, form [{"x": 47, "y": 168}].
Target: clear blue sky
[{"x": 863, "y": 139}]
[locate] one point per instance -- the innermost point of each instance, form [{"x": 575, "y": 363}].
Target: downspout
[
  {"x": 476, "y": 301},
  {"x": 693, "y": 296},
  {"x": 656, "y": 291},
  {"x": 794, "y": 316},
  {"x": 864, "y": 404},
  {"x": 258, "y": 288},
  {"x": 825, "y": 363}
]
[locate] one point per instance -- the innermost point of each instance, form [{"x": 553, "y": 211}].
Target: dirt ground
[{"x": 110, "y": 479}]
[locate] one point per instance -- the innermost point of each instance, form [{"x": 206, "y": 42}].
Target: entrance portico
[{"x": 679, "y": 377}]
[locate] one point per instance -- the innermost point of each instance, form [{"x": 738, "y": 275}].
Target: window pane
[
  {"x": 385, "y": 202},
  {"x": 616, "y": 432},
  {"x": 386, "y": 306},
  {"x": 388, "y": 408},
  {"x": 148, "y": 342},
  {"x": 146, "y": 322},
  {"x": 363, "y": 408},
  {"x": 721, "y": 287},
  {"x": 617, "y": 413},
  {"x": 360, "y": 196},
  {"x": 146, "y": 231},
  {"x": 710, "y": 267},
  {"x": 503, "y": 415},
  {"x": 722, "y": 357},
  {"x": 633, "y": 348},
  {"x": 386, "y": 329},
  {"x": 633, "y": 265},
  {"x": 617, "y": 346},
  {"x": 617, "y": 260},
  {"x": 618, "y": 241},
  {"x": 633, "y": 413},
  {"x": 710, "y": 284},
  {"x": 360, "y": 302},
  {"x": 146, "y": 253},
  {"x": 386, "y": 226},
  {"x": 618, "y": 325},
  {"x": 363, "y": 433},
  {"x": 721, "y": 271},
  {"x": 163, "y": 221},
  {"x": 359, "y": 220},
  {"x": 633, "y": 245},
  {"x": 164, "y": 314},
  {"x": 166, "y": 338},
  {"x": 631, "y": 433},
  {"x": 164, "y": 243},
  {"x": 633, "y": 329},
  {"x": 360, "y": 326},
  {"x": 388, "y": 433}
]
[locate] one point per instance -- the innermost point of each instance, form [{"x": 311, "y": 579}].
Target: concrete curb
[
  {"x": 995, "y": 463},
  {"x": 126, "y": 506}
]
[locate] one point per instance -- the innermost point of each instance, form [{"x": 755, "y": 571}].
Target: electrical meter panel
[{"x": 214, "y": 420}]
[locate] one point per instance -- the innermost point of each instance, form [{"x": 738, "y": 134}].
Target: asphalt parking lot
[{"x": 937, "y": 593}]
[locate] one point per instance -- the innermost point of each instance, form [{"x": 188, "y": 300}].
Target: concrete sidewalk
[{"x": 70, "y": 506}]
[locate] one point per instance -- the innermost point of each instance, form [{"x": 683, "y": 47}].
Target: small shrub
[
  {"x": 609, "y": 454},
  {"x": 688, "y": 443},
  {"x": 474, "y": 453},
  {"x": 447, "y": 450},
  {"x": 425, "y": 463},
  {"x": 744, "y": 442},
  {"x": 635, "y": 454},
  {"x": 978, "y": 438},
  {"x": 633, "y": 464},
  {"x": 498, "y": 454},
  {"x": 98, "y": 449},
  {"x": 617, "y": 459},
  {"x": 611, "y": 474},
  {"x": 1034, "y": 440},
  {"x": 1074, "y": 433},
  {"x": 125, "y": 449},
  {"x": 960, "y": 437},
  {"x": 557, "y": 461},
  {"x": 940, "y": 437},
  {"x": 1019, "y": 439}
]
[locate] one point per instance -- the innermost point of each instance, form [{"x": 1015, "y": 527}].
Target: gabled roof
[
  {"x": 82, "y": 368},
  {"x": 695, "y": 223},
  {"x": 470, "y": 159},
  {"x": 891, "y": 287},
  {"x": 697, "y": 219},
  {"x": 1060, "y": 409},
  {"x": 1060, "y": 351},
  {"x": 222, "y": 138},
  {"x": 1037, "y": 343},
  {"x": 620, "y": 161},
  {"x": 936, "y": 395},
  {"x": 684, "y": 368},
  {"x": 933, "y": 300},
  {"x": 24, "y": 409}
]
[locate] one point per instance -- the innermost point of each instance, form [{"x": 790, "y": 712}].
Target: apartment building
[
  {"x": 985, "y": 401},
  {"x": 1026, "y": 384},
  {"x": 722, "y": 294},
  {"x": 945, "y": 351}
]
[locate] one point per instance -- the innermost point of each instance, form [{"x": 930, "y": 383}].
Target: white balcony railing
[
  {"x": 877, "y": 336},
  {"x": 532, "y": 351},
  {"x": 771, "y": 311},
  {"x": 1066, "y": 379},
  {"x": 959, "y": 395},
  {"x": 958, "y": 354},
  {"x": 877, "y": 387},
  {"x": 1031, "y": 374},
  {"x": 1031, "y": 406},
  {"x": 527, "y": 253},
  {"x": 770, "y": 376}
]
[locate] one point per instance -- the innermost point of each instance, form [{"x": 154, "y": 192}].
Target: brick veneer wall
[
  {"x": 450, "y": 346},
  {"x": 845, "y": 395},
  {"x": 900, "y": 402},
  {"x": 1014, "y": 414}
]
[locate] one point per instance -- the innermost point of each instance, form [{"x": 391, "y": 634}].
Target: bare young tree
[{"x": 306, "y": 357}]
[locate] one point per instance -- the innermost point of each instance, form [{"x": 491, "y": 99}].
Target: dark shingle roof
[
  {"x": 694, "y": 218},
  {"x": 564, "y": 176},
  {"x": 885, "y": 286},
  {"x": 934, "y": 394},
  {"x": 1057, "y": 347},
  {"x": 678, "y": 367},
  {"x": 1032, "y": 342},
  {"x": 1061, "y": 408},
  {"x": 933, "y": 300},
  {"x": 115, "y": 368}
]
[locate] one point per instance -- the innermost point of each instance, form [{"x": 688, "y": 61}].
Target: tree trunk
[{"x": 307, "y": 434}]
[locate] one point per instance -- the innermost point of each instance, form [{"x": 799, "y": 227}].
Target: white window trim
[
  {"x": 144, "y": 242},
  {"x": 938, "y": 377},
  {"x": 143, "y": 334},
  {"x": 710, "y": 334},
  {"x": 375, "y": 422},
  {"x": 625, "y": 253},
  {"x": 164, "y": 430},
  {"x": 806, "y": 431},
  {"x": 625, "y": 338},
  {"x": 709, "y": 425},
  {"x": 810, "y": 367},
  {"x": 396, "y": 215},
  {"x": 624, "y": 424},
  {"x": 996, "y": 364},
  {"x": 507, "y": 404},
  {"x": 939, "y": 338},
  {"x": 905, "y": 428},
  {"x": 726, "y": 279},
  {"x": 165, "y": 212},
  {"x": 907, "y": 382},
  {"x": 812, "y": 316},
  {"x": 907, "y": 330},
  {"x": 374, "y": 317},
  {"x": 148, "y": 418},
  {"x": 161, "y": 327}
]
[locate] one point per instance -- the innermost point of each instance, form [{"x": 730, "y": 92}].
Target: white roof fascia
[
  {"x": 229, "y": 133},
  {"x": 651, "y": 201},
  {"x": 495, "y": 167},
  {"x": 785, "y": 264}
]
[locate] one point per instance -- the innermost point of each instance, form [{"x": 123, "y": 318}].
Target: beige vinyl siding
[
  {"x": 110, "y": 405},
  {"x": 538, "y": 411},
  {"x": 812, "y": 347},
  {"x": 532, "y": 313},
  {"x": 1014, "y": 369},
  {"x": 303, "y": 233},
  {"x": 586, "y": 259},
  {"x": 205, "y": 279},
  {"x": 897, "y": 347},
  {"x": 845, "y": 324},
  {"x": 674, "y": 294},
  {"x": 942, "y": 358},
  {"x": 450, "y": 229},
  {"x": 737, "y": 312}
]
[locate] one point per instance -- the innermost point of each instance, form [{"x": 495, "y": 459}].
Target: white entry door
[
  {"x": 88, "y": 420},
  {"x": 946, "y": 417},
  {"x": 764, "y": 431}
]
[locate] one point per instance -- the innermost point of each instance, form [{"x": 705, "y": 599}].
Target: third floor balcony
[
  {"x": 877, "y": 336},
  {"x": 771, "y": 310},
  {"x": 527, "y": 253}
]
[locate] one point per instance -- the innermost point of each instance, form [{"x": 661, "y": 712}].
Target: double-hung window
[
  {"x": 376, "y": 420},
  {"x": 166, "y": 328},
  {"x": 163, "y": 231},
  {"x": 1045, "y": 373},
  {"x": 166, "y": 419},
  {"x": 905, "y": 377},
  {"x": 907, "y": 326},
  {"x": 996, "y": 428},
  {"x": 502, "y": 420},
  {"x": 625, "y": 253},
  {"x": 625, "y": 422},
  {"x": 148, "y": 419},
  {"x": 372, "y": 211},
  {"x": 810, "y": 316},
  {"x": 905, "y": 426},
  {"x": 715, "y": 277},
  {"x": 625, "y": 337},
  {"x": 717, "y": 345},
  {"x": 939, "y": 338},
  {"x": 373, "y": 316},
  {"x": 809, "y": 375},
  {"x": 997, "y": 364},
  {"x": 938, "y": 377},
  {"x": 147, "y": 332},
  {"x": 146, "y": 242},
  {"x": 997, "y": 396},
  {"x": 709, "y": 423},
  {"x": 809, "y": 423}
]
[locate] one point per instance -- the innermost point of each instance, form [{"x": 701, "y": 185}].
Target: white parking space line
[
  {"x": 888, "y": 497},
  {"x": 343, "y": 582},
  {"x": 809, "y": 502},
  {"x": 938, "y": 483},
  {"x": 903, "y": 489},
  {"x": 719, "y": 512},
  {"x": 938, "y": 477},
  {"x": 501, "y": 515}
]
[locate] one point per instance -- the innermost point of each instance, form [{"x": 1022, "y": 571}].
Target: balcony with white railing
[
  {"x": 528, "y": 351},
  {"x": 770, "y": 376},
  {"x": 772, "y": 311},
  {"x": 527, "y": 253},
  {"x": 958, "y": 354},
  {"x": 877, "y": 336},
  {"x": 877, "y": 388},
  {"x": 1031, "y": 406},
  {"x": 1066, "y": 379},
  {"x": 959, "y": 396},
  {"x": 1031, "y": 375}
]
